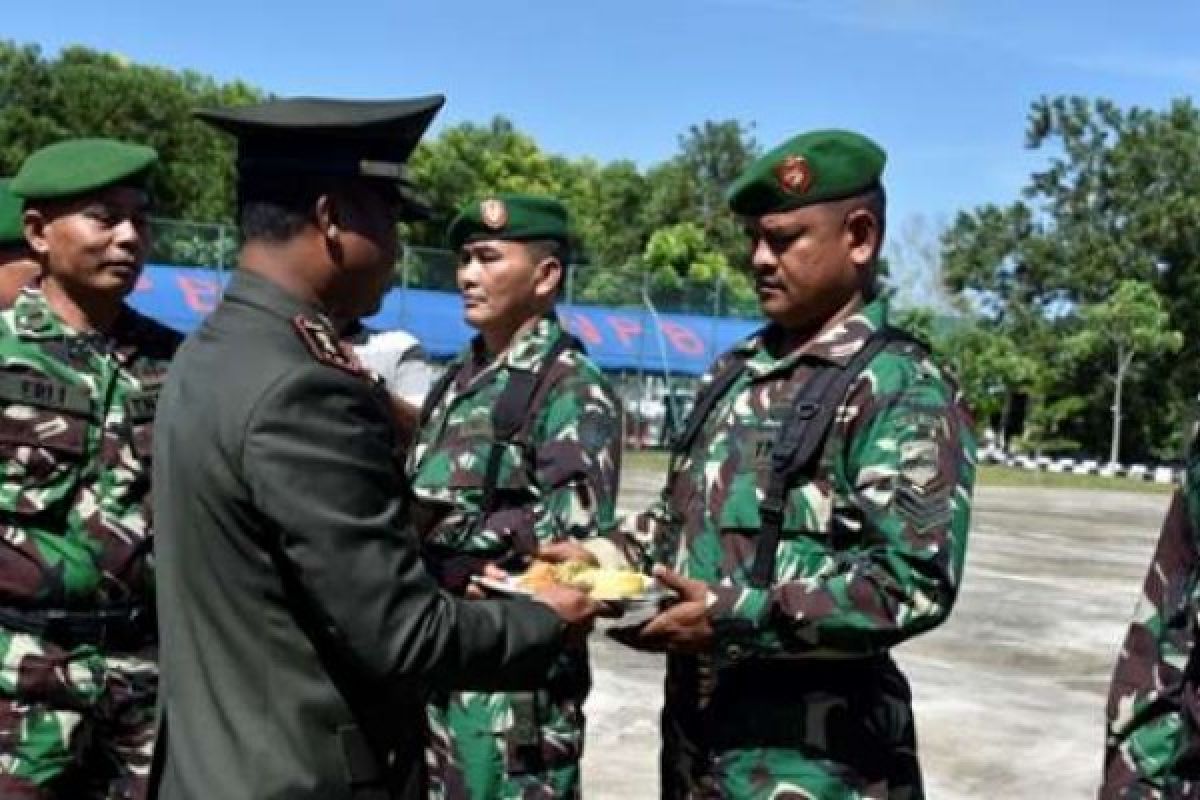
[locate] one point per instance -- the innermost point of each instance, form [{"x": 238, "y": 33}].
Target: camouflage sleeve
[
  {"x": 574, "y": 473},
  {"x": 642, "y": 538},
  {"x": 578, "y": 463},
  {"x": 1153, "y": 728},
  {"x": 910, "y": 469}
]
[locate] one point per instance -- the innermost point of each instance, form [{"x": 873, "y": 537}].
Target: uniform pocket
[
  {"x": 39, "y": 449},
  {"x": 469, "y": 461},
  {"x": 139, "y": 414},
  {"x": 556, "y": 740}
]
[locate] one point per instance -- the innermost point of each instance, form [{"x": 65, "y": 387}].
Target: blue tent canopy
[{"x": 617, "y": 338}]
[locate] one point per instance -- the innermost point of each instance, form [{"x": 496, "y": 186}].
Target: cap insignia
[
  {"x": 794, "y": 175},
  {"x": 494, "y": 213}
]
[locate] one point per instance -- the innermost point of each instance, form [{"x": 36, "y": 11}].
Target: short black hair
[
  {"x": 277, "y": 209},
  {"x": 560, "y": 251},
  {"x": 875, "y": 201}
]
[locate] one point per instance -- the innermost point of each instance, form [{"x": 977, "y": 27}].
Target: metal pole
[
  {"x": 221, "y": 267},
  {"x": 662, "y": 350},
  {"x": 404, "y": 286},
  {"x": 711, "y": 350}
]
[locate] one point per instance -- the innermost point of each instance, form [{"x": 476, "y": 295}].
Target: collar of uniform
[
  {"x": 526, "y": 351},
  {"x": 838, "y": 345},
  {"x": 128, "y": 333},
  {"x": 255, "y": 290},
  {"x": 33, "y": 317}
]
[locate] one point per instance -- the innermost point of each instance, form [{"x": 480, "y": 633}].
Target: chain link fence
[
  {"x": 655, "y": 402},
  {"x": 214, "y": 246}
]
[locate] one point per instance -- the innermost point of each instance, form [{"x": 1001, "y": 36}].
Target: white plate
[
  {"x": 648, "y": 600},
  {"x": 507, "y": 586}
]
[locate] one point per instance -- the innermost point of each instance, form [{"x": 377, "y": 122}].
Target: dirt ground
[{"x": 1009, "y": 694}]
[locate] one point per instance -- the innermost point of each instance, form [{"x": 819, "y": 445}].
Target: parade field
[{"x": 1009, "y": 695}]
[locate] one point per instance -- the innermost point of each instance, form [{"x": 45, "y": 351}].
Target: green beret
[
  {"x": 813, "y": 167},
  {"x": 78, "y": 166},
  {"x": 514, "y": 217},
  {"x": 12, "y": 228}
]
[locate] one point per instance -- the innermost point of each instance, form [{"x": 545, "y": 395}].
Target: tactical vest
[
  {"x": 800, "y": 438},
  {"x": 511, "y": 414}
]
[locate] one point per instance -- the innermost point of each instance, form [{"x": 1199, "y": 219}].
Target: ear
[
  {"x": 862, "y": 231},
  {"x": 35, "y": 223},
  {"x": 550, "y": 275},
  {"x": 326, "y": 217},
  {"x": 325, "y": 212}
]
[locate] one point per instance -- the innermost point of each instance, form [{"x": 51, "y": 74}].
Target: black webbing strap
[
  {"x": 512, "y": 411},
  {"x": 438, "y": 391},
  {"x": 807, "y": 424},
  {"x": 705, "y": 401},
  {"x": 509, "y": 416}
]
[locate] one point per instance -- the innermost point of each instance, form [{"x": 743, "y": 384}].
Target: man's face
[
  {"x": 367, "y": 216},
  {"x": 502, "y": 284},
  {"x": 96, "y": 243},
  {"x": 807, "y": 264}
]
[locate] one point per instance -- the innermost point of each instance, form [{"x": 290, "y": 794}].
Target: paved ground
[{"x": 1009, "y": 693}]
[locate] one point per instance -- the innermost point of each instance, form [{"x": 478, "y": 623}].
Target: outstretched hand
[{"x": 684, "y": 627}]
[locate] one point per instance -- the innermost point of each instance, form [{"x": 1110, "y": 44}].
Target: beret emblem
[
  {"x": 493, "y": 213},
  {"x": 794, "y": 175}
]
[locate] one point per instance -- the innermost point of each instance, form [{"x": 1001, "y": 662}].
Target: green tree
[
  {"x": 690, "y": 187},
  {"x": 83, "y": 92},
  {"x": 470, "y": 160},
  {"x": 1129, "y": 323},
  {"x": 1119, "y": 199},
  {"x": 685, "y": 271}
]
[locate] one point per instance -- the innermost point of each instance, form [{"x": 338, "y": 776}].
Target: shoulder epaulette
[{"x": 322, "y": 343}]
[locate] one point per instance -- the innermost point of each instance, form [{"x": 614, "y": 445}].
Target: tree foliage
[
  {"x": 1118, "y": 200},
  {"x": 1129, "y": 324},
  {"x": 83, "y": 92}
]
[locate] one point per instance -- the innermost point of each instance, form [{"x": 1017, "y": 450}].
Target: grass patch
[
  {"x": 645, "y": 460},
  {"x": 993, "y": 475},
  {"x": 656, "y": 461}
]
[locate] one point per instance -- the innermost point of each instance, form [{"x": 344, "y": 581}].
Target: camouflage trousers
[
  {"x": 481, "y": 748},
  {"x": 788, "y": 730},
  {"x": 74, "y": 724}
]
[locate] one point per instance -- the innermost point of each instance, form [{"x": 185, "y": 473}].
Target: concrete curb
[{"x": 1070, "y": 466}]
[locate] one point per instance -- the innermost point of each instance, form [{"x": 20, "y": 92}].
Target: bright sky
[{"x": 944, "y": 85}]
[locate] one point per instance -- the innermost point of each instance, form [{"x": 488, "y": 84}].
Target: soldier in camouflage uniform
[
  {"x": 794, "y": 585},
  {"x": 555, "y": 481},
  {"x": 1153, "y": 736},
  {"x": 79, "y": 375}
]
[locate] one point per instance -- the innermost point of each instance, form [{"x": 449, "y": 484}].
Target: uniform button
[{"x": 733, "y": 651}]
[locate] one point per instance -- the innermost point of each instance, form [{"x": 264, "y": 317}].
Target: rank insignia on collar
[
  {"x": 323, "y": 344},
  {"x": 494, "y": 213},
  {"x": 794, "y": 175}
]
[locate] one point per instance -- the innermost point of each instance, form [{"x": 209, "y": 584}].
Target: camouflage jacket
[
  {"x": 1153, "y": 715},
  {"x": 75, "y": 432},
  {"x": 559, "y": 481},
  {"x": 873, "y": 541}
]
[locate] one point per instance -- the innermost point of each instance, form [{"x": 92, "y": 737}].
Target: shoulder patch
[{"x": 324, "y": 346}]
